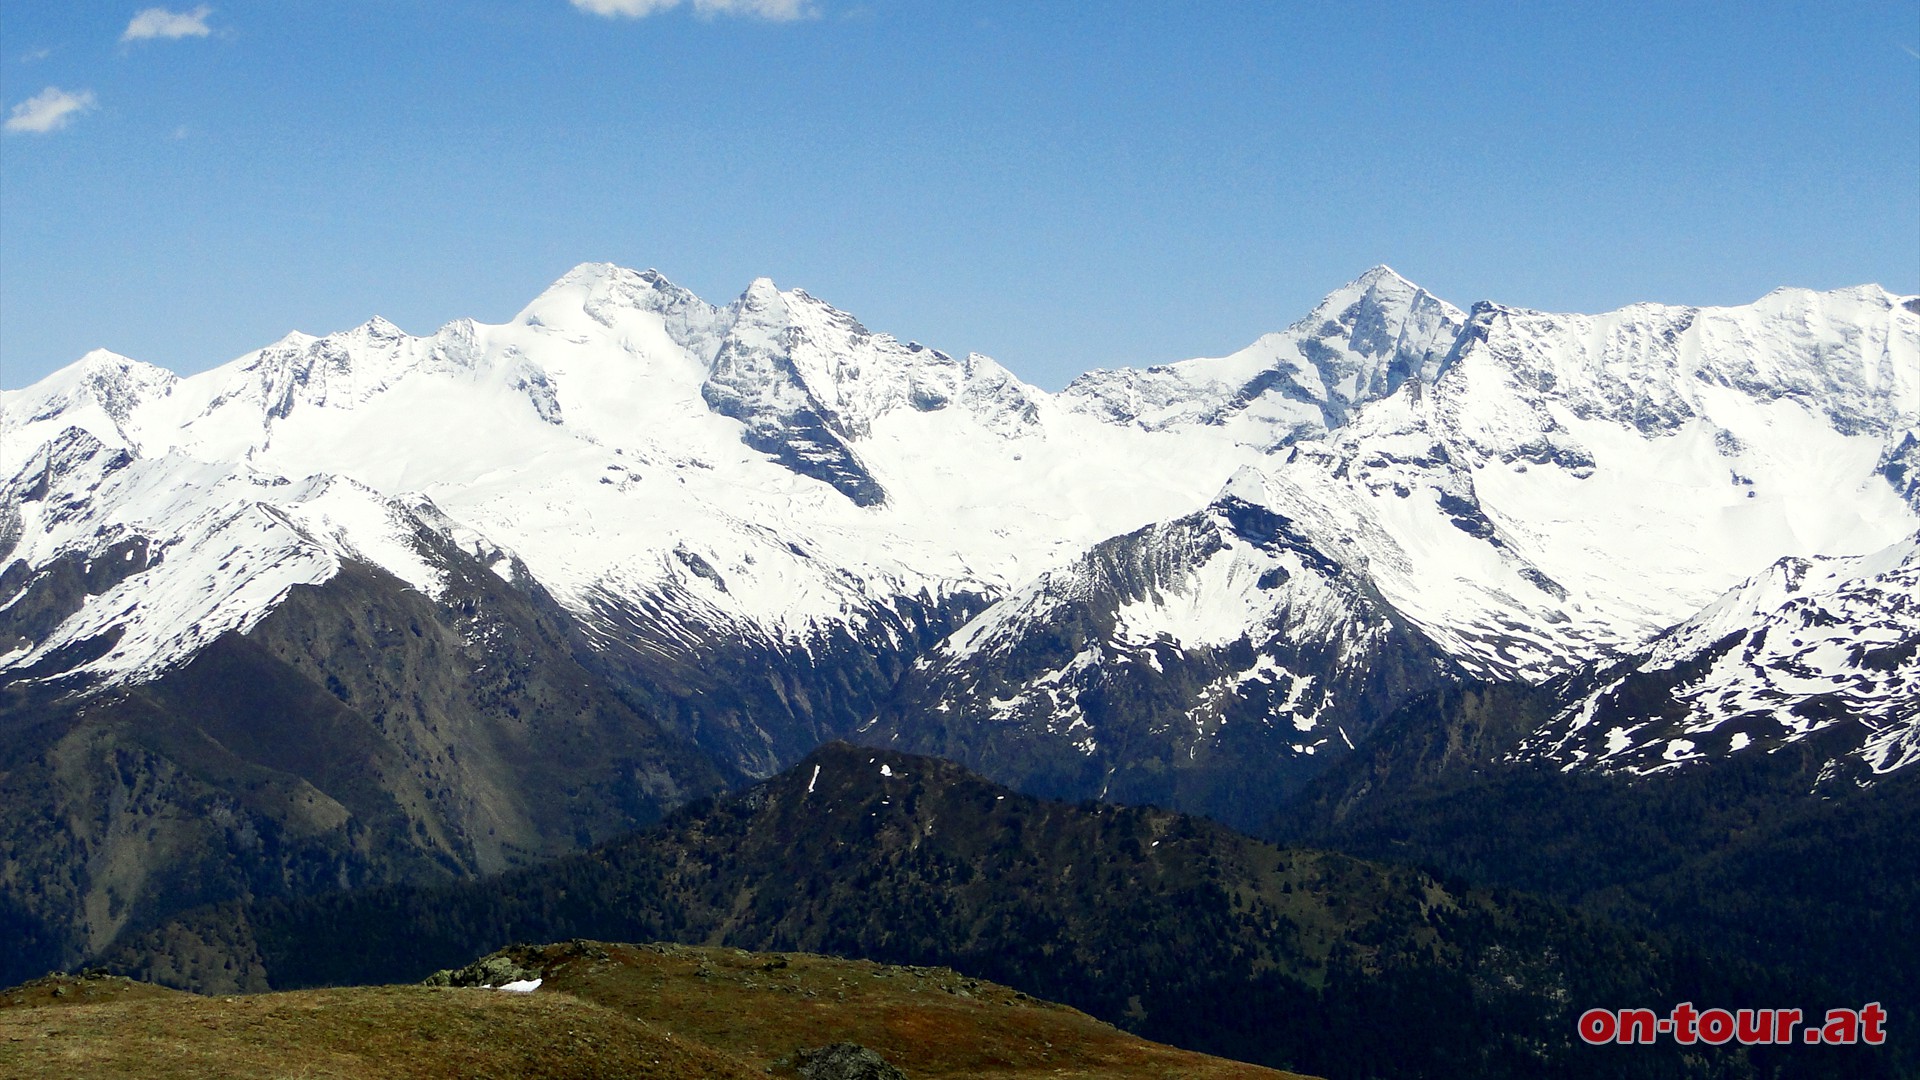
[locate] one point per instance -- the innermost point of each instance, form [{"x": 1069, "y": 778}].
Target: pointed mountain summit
[
  {"x": 771, "y": 374},
  {"x": 1358, "y": 344},
  {"x": 101, "y": 392},
  {"x": 763, "y": 516},
  {"x": 597, "y": 287},
  {"x": 1392, "y": 330},
  {"x": 639, "y": 545},
  {"x": 1215, "y": 661}
]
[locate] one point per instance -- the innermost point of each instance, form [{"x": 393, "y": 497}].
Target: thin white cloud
[
  {"x": 1911, "y": 51},
  {"x": 771, "y": 10},
  {"x": 774, "y": 10},
  {"x": 171, "y": 25},
  {"x": 632, "y": 9},
  {"x": 49, "y": 110},
  {"x": 35, "y": 56}
]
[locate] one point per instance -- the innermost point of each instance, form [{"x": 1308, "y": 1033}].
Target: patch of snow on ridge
[
  {"x": 1806, "y": 646},
  {"x": 353, "y": 519},
  {"x": 1210, "y": 702},
  {"x": 224, "y": 546},
  {"x": 1215, "y": 606},
  {"x": 224, "y": 558}
]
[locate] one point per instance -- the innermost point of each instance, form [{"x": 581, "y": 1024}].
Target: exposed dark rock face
[
  {"x": 36, "y": 602},
  {"x": 495, "y": 970},
  {"x": 757, "y": 704},
  {"x": 1807, "y": 648},
  {"x": 844, "y": 1061},
  {"x": 753, "y": 379},
  {"x": 1900, "y": 467},
  {"x": 1058, "y": 693},
  {"x": 1737, "y": 859},
  {"x": 800, "y": 438},
  {"x": 362, "y": 733}
]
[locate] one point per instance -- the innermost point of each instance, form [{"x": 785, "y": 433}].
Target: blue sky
[{"x": 1059, "y": 185}]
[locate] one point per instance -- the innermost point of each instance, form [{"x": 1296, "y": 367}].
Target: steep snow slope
[
  {"x": 1202, "y": 662},
  {"x": 753, "y": 487},
  {"x": 1551, "y": 492},
  {"x": 190, "y": 550},
  {"x": 1361, "y": 343},
  {"x": 758, "y": 495},
  {"x": 99, "y": 393},
  {"x": 1569, "y": 486},
  {"x": 619, "y": 420},
  {"x": 1824, "y": 646}
]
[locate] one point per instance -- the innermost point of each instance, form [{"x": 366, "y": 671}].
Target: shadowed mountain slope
[
  {"x": 1170, "y": 926},
  {"x": 362, "y": 732}
]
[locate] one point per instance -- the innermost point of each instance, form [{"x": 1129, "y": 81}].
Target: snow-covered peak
[
  {"x": 601, "y": 300},
  {"x": 338, "y": 370},
  {"x": 1382, "y": 289},
  {"x": 1247, "y": 485},
  {"x": 1870, "y": 295},
  {"x": 1773, "y": 590},
  {"x": 115, "y": 382},
  {"x": 186, "y": 551},
  {"x": 1381, "y": 273},
  {"x": 106, "y": 371},
  {"x": 1852, "y": 355},
  {"x": 1631, "y": 465},
  {"x": 378, "y": 329},
  {"x": 1359, "y": 344},
  {"x": 761, "y": 315},
  {"x": 760, "y": 292},
  {"x": 100, "y": 392},
  {"x": 609, "y": 279},
  {"x": 74, "y": 452},
  {"x": 622, "y": 433},
  {"x": 794, "y": 353}
]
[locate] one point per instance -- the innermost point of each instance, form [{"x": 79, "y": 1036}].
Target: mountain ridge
[
  {"x": 1172, "y": 927},
  {"x": 751, "y": 528},
  {"x": 677, "y": 473}
]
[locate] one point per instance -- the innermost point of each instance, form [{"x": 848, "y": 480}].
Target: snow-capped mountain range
[
  {"x": 1805, "y": 647},
  {"x": 1390, "y": 494}
]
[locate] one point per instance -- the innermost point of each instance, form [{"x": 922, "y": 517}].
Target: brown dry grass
[
  {"x": 931, "y": 1022},
  {"x": 603, "y": 1011},
  {"x": 88, "y": 989},
  {"x": 404, "y": 1032}
]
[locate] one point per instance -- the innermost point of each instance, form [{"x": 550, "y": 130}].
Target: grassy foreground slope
[
  {"x": 601, "y": 1010},
  {"x": 1171, "y": 927}
]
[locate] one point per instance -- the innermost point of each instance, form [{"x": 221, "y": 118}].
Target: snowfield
[{"x": 1536, "y": 493}]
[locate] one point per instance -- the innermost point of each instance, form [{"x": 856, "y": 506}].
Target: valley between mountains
[{"x": 376, "y": 611}]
